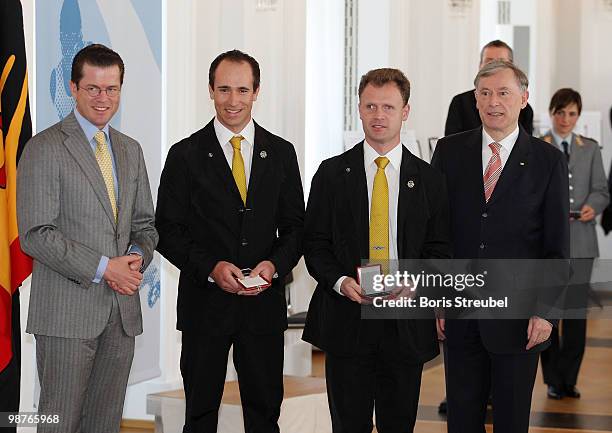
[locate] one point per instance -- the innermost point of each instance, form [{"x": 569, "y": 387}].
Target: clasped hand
[{"x": 123, "y": 274}]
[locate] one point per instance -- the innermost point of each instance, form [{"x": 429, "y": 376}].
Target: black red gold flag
[{"x": 15, "y": 131}]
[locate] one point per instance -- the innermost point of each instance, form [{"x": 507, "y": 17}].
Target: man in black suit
[
  {"x": 462, "y": 112},
  {"x": 508, "y": 196},
  {"x": 231, "y": 198},
  {"x": 372, "y": 363}
]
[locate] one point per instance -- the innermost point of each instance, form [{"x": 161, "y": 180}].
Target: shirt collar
[
  {"x": 224, "y": 135},
  {"x": 507, "y": 143},
  {"x": 559, "y": 139},
  {"x": 89, "y": 128},
  {"x": 394, "y": 155}
]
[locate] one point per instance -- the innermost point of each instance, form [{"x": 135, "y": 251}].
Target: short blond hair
[{"x": 382, "y": 76}]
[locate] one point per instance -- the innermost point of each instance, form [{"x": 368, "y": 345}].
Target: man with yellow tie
[
  {"x": 230, "y": 204},
  {"x": 379, "y": 203},
  {"x": 86, "y": 217}
]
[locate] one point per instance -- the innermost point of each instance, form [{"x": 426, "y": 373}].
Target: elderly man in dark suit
[
  {"x": 231, "y": 198},
  {"x": 86, "y": 217},
  {"x": 509, "y": 199},
  {"x": 462, "y": 112},
  {"x": 375, "y": 202}
]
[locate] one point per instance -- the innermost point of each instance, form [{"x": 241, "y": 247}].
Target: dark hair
[
  {"x": 497, "y": 44},
  {"x": 564, "y": 97},
  {"x": 95, "y": 55},
  {"x": 380, "y": 77},
  {"x": 235, "y": 56},
  {"x": 495, "y": 66}
]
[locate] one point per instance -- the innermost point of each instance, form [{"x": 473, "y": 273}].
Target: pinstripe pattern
[
  {"x": 75, "y": 379},
  {"x": 84, "y": 331},
  {"x": 66, "y": 224}
]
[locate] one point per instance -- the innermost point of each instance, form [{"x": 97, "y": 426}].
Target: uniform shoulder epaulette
[
  {"x": 581, "y": 140},
  {"x": 547, "y": 138}
]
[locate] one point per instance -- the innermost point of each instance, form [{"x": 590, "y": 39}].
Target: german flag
[{"x": 15, "y": 131}]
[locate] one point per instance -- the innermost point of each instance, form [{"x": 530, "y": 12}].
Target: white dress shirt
[
  {"x": 506, "y": 147},
  {"x": 392, "y": 171},
  {"x": 246, "y": 147}
]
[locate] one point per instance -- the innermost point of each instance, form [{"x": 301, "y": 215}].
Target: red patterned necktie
[{"x": 494, "y": 169}]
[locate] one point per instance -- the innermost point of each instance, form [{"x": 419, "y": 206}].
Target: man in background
[{"x": 462, "y": 112}]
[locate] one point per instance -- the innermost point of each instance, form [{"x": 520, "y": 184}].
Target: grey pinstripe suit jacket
[
  {"x": 588, "y": 185},
  {"x": 66, "y": 224}
]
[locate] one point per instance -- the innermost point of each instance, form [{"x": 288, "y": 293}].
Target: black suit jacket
[
  {"x": 525, "y": 218},
  {"x": 336, "y": 239},
  {"x": 463, "y": 115},
  {"x": 202, "y": 220}
]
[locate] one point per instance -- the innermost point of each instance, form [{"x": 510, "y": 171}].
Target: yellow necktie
[
  {"x": 105, "y": 162},
  {"x": 238, "y": 167},
  {"x": 379, "y": 215}
]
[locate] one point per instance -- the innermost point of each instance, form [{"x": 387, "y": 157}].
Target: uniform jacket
[{"x": 587, "y": 185}]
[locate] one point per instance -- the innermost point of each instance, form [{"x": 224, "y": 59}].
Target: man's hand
[
  {"x": 538, "y": 331},
  {"x": 440, "y": 324},
  {"x": 136, "y": 264},
  {"x": 224, "y": 274},
  {"x": 353, "y": 291},
  {"x": 121, "y": 277},
  {"x": 587, "y": 213},
  {"x": 264, "y": 269}
]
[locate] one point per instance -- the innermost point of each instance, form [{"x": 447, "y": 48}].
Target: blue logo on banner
[
  {"x": 71, "y": 41},
  {"x": 151, "y": 283}
]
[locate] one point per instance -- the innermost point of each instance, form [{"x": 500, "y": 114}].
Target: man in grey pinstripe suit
[{"x": 85, "y": 215}]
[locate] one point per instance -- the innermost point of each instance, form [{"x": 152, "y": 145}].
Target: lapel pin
[
  {"x": 348, "y": 169},
  {"x": 410, "y": 184},
  {"x": 210, "y": 155},
  {"x": 263, "y": 154},
  {"x": 521, "y": 163}
]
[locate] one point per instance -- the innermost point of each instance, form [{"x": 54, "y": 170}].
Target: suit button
[
  {"x": 484, "y": 214},
  {"x": 482, "y": 246},
  {"x": 244, "y": 243}
]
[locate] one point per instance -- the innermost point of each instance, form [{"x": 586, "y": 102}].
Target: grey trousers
[{"x": 84, "y": 380}]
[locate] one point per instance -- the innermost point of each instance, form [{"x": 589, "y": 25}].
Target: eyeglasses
[{"x": 94, "y": 91}]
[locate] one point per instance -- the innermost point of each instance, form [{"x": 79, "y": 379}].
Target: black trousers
[
  {"x": 259, "y": 363},
  {"x": 380, "y": 377},
  {"x": 471, "y": 371},
  {"x": 10, "y": 377},
  {"x": 561, "y": 361}
]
